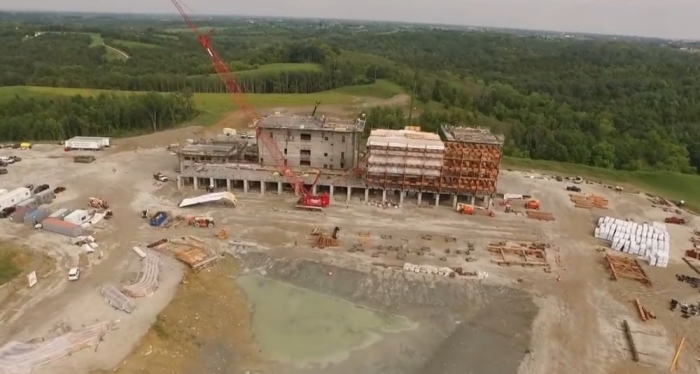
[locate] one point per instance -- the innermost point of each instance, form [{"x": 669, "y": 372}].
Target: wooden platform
[
  {"x": 541, "y": 216},
  {"x": 589, "y": 201},
  {"x": 518, "y": 255}
]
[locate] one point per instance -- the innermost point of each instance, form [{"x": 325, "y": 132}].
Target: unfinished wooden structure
[
  {"x": 404, "y": 160},
  {"x": 589, "y": 201},
  {"x": 471, "y": 162},
  {"x": 540, "y": 216},
  {"x": 527, "y": 255},
  {"x": 624, "y": 267},
  {"x": 190, "y": 250}
]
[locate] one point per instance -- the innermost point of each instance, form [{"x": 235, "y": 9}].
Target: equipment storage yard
[{"x": 422, "y": 289}]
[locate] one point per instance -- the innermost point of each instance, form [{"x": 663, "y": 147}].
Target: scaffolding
[{"x": 404, "y": 159}]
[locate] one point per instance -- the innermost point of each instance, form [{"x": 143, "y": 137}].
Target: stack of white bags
[{"x": 651, "y": 242}]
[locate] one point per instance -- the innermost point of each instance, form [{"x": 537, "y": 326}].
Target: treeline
[{"x": 103, "y": 115}]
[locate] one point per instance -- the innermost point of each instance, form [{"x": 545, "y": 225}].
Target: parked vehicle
[
  {"x": 58, "y": 190},
  {"x": 73, "y": 274},
  {"x": 578, "y": 180},
  {"x": 7, "y": 211},
  {"x": 3, "y": 171},
  {"x": 573, "y": 188},
  {"x": 202, "y": 222},
  {"x": 41, "y": 188},
  {"x": 16, "y": 158},
  {"x": 160, "y": 177}
]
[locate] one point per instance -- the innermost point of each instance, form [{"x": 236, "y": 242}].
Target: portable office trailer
[
  {"x": 77, "y": 217},
  {"x": 18, "y": 215},
  {"x": 87, "y": 142},
  {"x": 14, "y": 197},
  {"x": 38, "y": 215},
  {"x": 61, "y": 213},
  {"x": 57, "y": 226},
  {"x": 45, "y": 197},
  {"x": 31, "y": 202}
]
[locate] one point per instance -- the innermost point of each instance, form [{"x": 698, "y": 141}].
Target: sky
[{"x": 653, "y": 18}]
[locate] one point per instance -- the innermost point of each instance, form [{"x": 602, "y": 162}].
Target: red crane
[{"x": 306, "y": 198}]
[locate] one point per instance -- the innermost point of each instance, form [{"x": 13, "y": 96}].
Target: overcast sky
[{"x": 659, "y": 18}]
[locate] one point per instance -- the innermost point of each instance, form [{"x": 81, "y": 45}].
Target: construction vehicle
[
  {"x": 202, "y": 221},
  {"x": 160, "y": 177},
  {"x": 96, "y": 202},
  {"x": 532, "y": 204},
  {"x": 472, "y": 210},
  {"x": 307, "y": 200}
]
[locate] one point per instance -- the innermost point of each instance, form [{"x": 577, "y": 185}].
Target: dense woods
[
  {"x": 614, "y": 103},
  {"x": 103, "y": 115}
]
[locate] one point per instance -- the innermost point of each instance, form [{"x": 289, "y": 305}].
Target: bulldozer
[{"x": 97, "y": 203}]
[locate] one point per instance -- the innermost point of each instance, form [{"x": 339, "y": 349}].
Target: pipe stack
[{"x": 651, "y": 242}]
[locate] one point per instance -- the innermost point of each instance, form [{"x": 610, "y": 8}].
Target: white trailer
[
  {"x": 87, "y": 143},
  {"x": 77, "y": 217},
  {"x": 14, "y": 197}
]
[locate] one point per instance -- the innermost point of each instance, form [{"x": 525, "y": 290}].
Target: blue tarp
[{"x": 159, "y": 219}]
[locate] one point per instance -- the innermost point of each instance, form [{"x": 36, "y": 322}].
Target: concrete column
[
  {"x": 420, "y": 197},
  {"x": 262, "y": 187},
  {"x": 454, "y": 201},
  {"x": 384, "y": 195},
  {"x": 196, "y": 183},
  {"x": 401, "y": 195},
  {"x": 279, "y": 188},
  {"x": 179, "y": 182},
  {"x": 211, "y": 182},
  {"x": 228, "y": 184},
  {"x": 437, "y": 199},
  {"x": 473, "y": 200},
  {"x": 366, "y": 194},
  {"x": 349, "y": 194},
  {"x": 245, "y": 186},
  {"x": 332, "y": 190},
  {"x": 313, "y": 190}
]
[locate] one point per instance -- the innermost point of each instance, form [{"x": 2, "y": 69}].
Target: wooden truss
[
  {"x": 624, "y": 267},
  {"x": 526, "y": 256}
]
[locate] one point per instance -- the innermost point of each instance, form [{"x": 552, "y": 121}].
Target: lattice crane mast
[{"x": 307, "y": 199}]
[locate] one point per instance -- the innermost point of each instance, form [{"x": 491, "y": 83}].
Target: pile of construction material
[
  {"x": 652, "y": 242},
  {"x": 427, "y": 269},
  {"x": 589, "y": 201}
]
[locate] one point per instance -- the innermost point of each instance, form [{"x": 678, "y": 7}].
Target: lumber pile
[
  {"x": 541, "y": 216},
  {"x": 589, "y": 201},
  {"x": 323, "y": 241},
  {"x": 644, "y": 313}
]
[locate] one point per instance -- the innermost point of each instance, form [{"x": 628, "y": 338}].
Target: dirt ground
[{"x": 517, "y": 320}]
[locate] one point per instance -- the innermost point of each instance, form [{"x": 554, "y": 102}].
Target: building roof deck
[
  {"x": 480, "y": 135},
  {"x": 219, "y": 149},
  {"x": 284, "y": 121},
  {"x": 405, "y": 139}
]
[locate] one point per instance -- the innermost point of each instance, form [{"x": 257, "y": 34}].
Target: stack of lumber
[
  {"x": 542, "y": 216},
  {"x": 589, "y": 201}
]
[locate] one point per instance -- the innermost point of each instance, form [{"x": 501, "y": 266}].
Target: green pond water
[{"x": 298, "y": 326}]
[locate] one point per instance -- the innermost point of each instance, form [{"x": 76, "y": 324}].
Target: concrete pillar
[
  {"x": 245, "y": 186},
  {"x": 401, "y": 195},
  {"x": 313, "y": 190},
  {"x": 454, "y": 201},
  {"x": 179, "y": 182},
  {"x": 228, "y": 184},
  {"x": 195, "y": 181},
  {"x": 211, "y": 182},
  {"x": 420, "y": 197},
  {"x": 332, "y": 190},
  {"x": 279, "y": 188},
  {"x": 366, "y": 194},
  {"x": 262, "y": 187},
  {"x": 473, "y": 199},
  {"x": 437, "y": 199},
  {"x": 384, "y": 195},
  {"x": 349, "y": 194}
]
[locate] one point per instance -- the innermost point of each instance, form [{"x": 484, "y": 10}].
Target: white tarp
[{"x": 216, "y": 196}]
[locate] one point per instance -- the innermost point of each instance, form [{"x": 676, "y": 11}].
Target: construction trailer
[
  {"x": 36, "y": 216},
  {"x": 87, "y": 143},
  {"x": 58, "y": 226},
  {"x": 18, "y": 215},
  {"x": 61, "y": 213},
  {"x": 14, "y": 197}
]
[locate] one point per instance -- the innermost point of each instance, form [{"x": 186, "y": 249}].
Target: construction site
[{"x": 324, "y": 156}]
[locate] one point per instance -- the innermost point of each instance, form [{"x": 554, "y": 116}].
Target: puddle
[{"x": 301, "y": 327}]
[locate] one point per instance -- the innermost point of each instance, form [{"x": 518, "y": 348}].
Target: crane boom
[{"x": 238, "y": 98}]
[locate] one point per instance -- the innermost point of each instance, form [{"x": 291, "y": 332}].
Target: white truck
[{"x": 160, "y": 177}]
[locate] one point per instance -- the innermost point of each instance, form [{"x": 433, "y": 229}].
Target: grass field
[
  {"x": 130, "y": 44},
  {"x": 674, "y": 186},
  {"x": 186, "y": 29},
  {"x": 382, "y": 89}
]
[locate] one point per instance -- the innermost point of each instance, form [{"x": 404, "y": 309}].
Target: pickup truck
[{"x": 160, "y": 177}]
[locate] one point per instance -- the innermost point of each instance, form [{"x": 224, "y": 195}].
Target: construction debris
[
  {"x": 644, "y": 313},
  {"x": 652, "y": 242},
  {"x": 16, "y": 357},
  {"x": 589, "y": 201},
  {"x": 624, "y": 267},
  {"x": 687, "y": 310},
  {"x": 542, "y": 216},
  {"x": 322, "y": 240},
  {"x": 117, "y": 299},
  {"x": 692, "y": 281},
  {"x": 528, "y": 254},
  {"x": 442, "y": 271}
]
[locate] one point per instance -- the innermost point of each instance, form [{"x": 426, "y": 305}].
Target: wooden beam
[{"x": 630, "y": 340}]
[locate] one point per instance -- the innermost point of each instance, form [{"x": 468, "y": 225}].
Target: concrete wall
[{"x": 317, "y": 149}]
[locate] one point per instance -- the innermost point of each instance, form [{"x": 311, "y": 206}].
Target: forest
[
  {"x": 623, "y": 104},
  {"x": 103, "y": 115}
]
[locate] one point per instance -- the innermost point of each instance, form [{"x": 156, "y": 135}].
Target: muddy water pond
[{"x": 301, "y": 327}]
